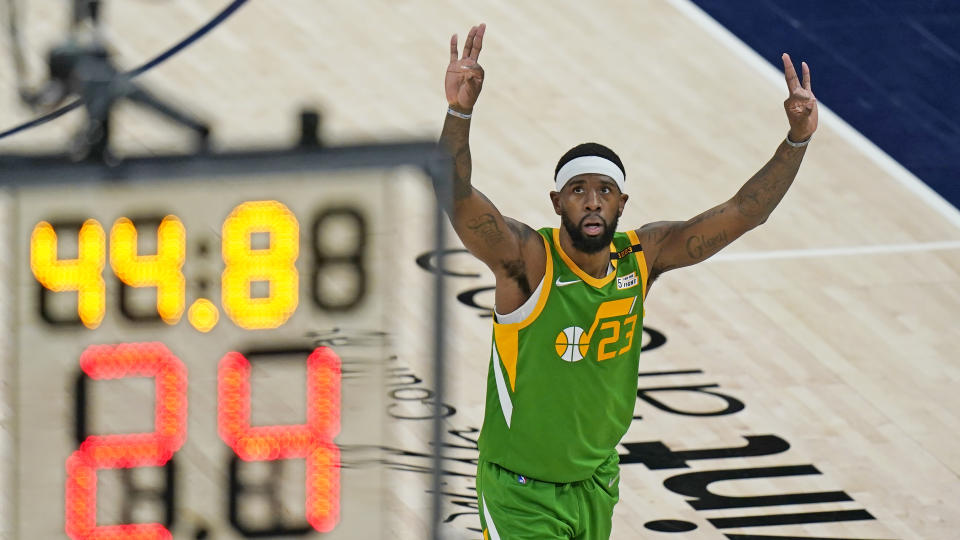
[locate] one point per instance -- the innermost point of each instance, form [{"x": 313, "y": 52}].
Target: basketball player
[{"x": 562, "y": 380}]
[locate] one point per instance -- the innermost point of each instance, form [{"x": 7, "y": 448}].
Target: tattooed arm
[
  {"x": 675, "y": 244},
  {"x": 512, "y": 250}
]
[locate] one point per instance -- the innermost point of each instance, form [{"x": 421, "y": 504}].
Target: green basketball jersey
[{"x": 562, "y": 383}]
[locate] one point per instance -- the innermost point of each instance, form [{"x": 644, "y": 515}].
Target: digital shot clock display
[{"x": 173, "y": 368}]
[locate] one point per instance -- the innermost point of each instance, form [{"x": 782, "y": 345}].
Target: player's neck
[{"x": 593, "y": 264}]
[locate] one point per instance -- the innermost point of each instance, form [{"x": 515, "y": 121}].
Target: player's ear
[
  {"x": 623, "y": 203},
  {"x": 555, "y": 198}
]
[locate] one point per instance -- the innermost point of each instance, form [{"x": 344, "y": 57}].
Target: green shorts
[{"x": 513, "y": 507}]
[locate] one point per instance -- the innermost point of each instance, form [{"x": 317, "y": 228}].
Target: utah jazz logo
[{"x": 613, "y": 318}]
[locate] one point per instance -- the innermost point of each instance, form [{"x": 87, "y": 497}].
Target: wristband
[
  {"x": 800, "y": 144},
  {"x": 458, "y": 114}
]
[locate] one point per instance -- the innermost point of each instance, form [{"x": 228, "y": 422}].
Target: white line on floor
[{"x": 835, "y": 252}]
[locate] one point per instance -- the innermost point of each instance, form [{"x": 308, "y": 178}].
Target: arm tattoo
[
  {"x": 763, "y": 192},
  {"x": 485, "y": 226},
  {"x": 713, "y": 212},
  {"x": 700, "y": 247},
  {"x": 755, "y": 201},
  {"x": 655, "y": 234},
  {"x": 455, "y": 138},
  {"x": 462, "y": 165}
]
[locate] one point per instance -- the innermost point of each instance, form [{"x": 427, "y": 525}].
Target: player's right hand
[{"x": 464, "y": 75}]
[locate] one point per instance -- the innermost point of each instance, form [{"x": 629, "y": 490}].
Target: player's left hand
[{"x": 801, "y": 104}]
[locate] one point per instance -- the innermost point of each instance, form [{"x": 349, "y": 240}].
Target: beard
[{"x": 589, "y": 244}]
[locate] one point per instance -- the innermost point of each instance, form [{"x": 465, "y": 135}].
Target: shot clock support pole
[
  {"x": 310, "y": 125},
  {"x": 441, "y": 172},
  {"x": 84, "y": 10}
]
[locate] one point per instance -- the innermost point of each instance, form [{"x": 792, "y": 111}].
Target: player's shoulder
[
  {"x": 654, "y": 226},
  {"x": 524, "y": 233},
  {"x": 654, "y": 234},
  {"x": 626, "y": 239}
]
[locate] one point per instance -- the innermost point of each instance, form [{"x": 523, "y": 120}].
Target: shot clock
[{"x": 175, "y": 372}]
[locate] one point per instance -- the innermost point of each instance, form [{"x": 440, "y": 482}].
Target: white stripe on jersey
[{"x": 505, "y": 404}]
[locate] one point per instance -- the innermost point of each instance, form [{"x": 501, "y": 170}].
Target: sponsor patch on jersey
[{"x": 627, "y": 281}]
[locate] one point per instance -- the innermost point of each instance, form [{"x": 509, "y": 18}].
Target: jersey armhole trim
[
  {"x": 641, "y": 263},
  {"x": 528, "y": 312},
  {"x": 521, "y": 313}
]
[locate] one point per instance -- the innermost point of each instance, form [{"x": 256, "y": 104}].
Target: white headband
[{"x": 590, "y": 165}]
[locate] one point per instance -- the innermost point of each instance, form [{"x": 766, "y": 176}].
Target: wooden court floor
[{"x": 825, "y": 342}]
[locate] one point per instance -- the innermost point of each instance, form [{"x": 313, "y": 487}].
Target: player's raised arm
[
  {"x": 511, "y": 249},
  {"x": 675, "y": 244}
]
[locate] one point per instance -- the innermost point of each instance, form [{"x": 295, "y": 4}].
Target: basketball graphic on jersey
[{"x": 569, "y": 345}]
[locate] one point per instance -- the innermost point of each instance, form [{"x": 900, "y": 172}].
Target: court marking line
[
  {"x": 881, "y": 249},
  {"x": 883, "y": 160}
]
